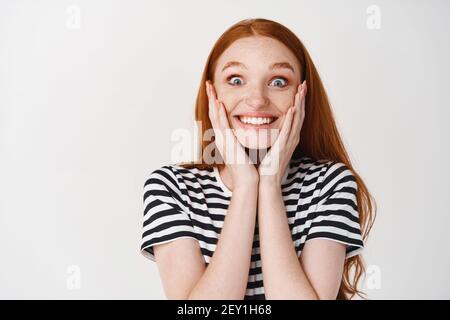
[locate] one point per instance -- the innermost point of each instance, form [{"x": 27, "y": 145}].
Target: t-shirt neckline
[
  {"x": 220, "y": 182},
  {"x": 228, "y": 191}
]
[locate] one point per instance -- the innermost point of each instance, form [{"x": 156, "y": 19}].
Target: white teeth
[{"x": 253, "y": 120}]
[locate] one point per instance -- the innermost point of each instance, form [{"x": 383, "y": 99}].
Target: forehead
[{"x": 257, "y": 53}]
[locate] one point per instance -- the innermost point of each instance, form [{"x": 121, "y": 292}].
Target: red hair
[{"x": 320, "y": 138}]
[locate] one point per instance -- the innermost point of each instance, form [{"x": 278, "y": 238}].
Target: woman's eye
[
  {"x": 280, "y": 82},
  {"x": 235, "y": 80}
]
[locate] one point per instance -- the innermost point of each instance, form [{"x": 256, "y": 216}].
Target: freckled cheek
[
  {"x": 230, "y": 100},
  {"x": 283, "y": 102}
]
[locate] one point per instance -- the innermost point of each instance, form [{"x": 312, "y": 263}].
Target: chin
[
  {"x": 256, "y": 139},
  {"x": 255, "y": 145}
]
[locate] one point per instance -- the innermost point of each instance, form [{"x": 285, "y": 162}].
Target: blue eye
[
  {"x": 234, "y": 82},
  {"x": 283, "y": 82}
]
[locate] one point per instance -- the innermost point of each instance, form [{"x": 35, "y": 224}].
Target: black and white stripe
[{"x": 319, "y": 196}]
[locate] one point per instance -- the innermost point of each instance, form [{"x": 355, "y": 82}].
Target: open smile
[{"x": 256, "y": 122}]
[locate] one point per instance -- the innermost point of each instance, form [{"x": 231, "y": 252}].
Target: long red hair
[{"x": 320, "y": 138}]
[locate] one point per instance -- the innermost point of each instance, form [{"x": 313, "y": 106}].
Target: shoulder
[
  {"x": 161, "y": 175},
  {"x": 312, "y": 165},
  {"x": 337, "y": 178},
  {"x": 308, "y": 165},
  {"x": 320, "y": 173},
  {"x": 177, "y": 174},
  {"x": 309, "y": 168},
  {"x": 338, "y": 173}
]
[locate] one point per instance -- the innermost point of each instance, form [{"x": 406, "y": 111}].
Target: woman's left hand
[{"x": 273, "y": 166}]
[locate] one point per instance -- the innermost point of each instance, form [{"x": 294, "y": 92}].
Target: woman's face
[{"x": 256, "y": 78}]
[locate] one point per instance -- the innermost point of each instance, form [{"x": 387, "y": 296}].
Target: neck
[{"x": 255, "y": 156}]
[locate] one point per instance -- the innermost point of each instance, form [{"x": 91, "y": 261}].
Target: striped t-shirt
[{"x": 319, "y": 197}]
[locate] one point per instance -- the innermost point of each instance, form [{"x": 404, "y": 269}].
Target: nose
[{"x": 256, "y": 97}]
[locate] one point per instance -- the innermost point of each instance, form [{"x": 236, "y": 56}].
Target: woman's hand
[
  {"x": 275, "y": 162},
  {"x": 242, "y": 171}
]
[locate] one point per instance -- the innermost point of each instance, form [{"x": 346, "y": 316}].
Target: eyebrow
[{"x": 276, "y": 65}]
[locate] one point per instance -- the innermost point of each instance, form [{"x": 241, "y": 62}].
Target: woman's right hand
[{"x": 243, "y": 172}]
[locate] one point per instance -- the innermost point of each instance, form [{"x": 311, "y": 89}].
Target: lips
[
  {"x": 256, "y": 115},
  {"x": 258, "y": 122}
]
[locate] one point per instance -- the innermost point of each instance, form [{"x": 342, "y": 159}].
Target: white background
[{"x": 88, "y": 110}]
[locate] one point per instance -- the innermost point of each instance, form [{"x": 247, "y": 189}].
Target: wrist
[
  {"x": 246, "y": 185},
  {"x": 269, "y": 181},
  {"x": 269, "y": 184}
]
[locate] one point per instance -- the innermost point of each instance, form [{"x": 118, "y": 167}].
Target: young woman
[{"x": 287, "y": 223}]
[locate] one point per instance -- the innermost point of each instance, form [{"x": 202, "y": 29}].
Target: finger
[
  {"x": 297, "y": 108},
  {"x": 213, "y": 91},
  {"x": 301, "y": 113},
  {"x": 303, "y": 106},
  {"x": 212, "y": 107},
  {"x": 217, "y": 123},
  {"x": 280, "y": 141},
  {"x": 223, "y": 116},
  {"x": 295, "y": 111},
  {"x": 303, "y": 103},
  {"x": 295, "y": 121},
  {"x": 297, "y": 104},
  {"x": 208, "y": 94},
  {"x": 230, "y": 142},
  {"x": 286, "y": 128},
  {"x": 217, "y": 109},
  {"x": 219, "y": 138}
]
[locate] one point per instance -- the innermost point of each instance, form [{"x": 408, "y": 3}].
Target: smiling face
[{"x": 256, "y": 78}]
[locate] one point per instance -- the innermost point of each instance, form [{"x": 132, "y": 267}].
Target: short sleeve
[
  {"x": 164, "y": 217},
  {"x": 336, "y": 216}
]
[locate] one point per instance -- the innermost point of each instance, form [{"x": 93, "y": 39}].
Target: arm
[
  {"x": 318, "y": 272},
  {"x": 317, "y": 275},
  {"x": 227, "y": 274},
  {"x": 182, "y": 267}
]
